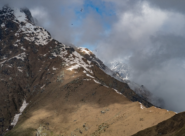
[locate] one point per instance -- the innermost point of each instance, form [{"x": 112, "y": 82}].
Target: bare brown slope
[
  {"x": 171, "y": 127},
  {"x": 81, "y": 107},
  {"x": 120, "y": 86}
]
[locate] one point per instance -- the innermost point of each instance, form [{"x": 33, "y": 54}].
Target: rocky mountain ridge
[{"x": 55, "y": 83}]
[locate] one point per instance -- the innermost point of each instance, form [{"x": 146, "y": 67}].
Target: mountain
[
  {"x": 171, "y": 127},
  {"x": 49, "y": 88}
]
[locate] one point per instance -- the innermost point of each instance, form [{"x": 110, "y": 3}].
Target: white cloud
[
  {"x": 39, "y": 12},
  {"x": 154, "y": 41},
  {"x": 41, "y": 15},
  {"x": 139, "y": 26}
]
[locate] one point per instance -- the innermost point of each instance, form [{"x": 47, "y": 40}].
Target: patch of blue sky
[
  {"x": 89, "y": 46},
  {"x": 86, "y": 45},
  {"x": 99, "y": 7},
  {"x": 105, "y": 13}
]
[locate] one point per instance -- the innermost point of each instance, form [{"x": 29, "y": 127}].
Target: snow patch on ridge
[
  {"x": 85, "y": 50},
  {"x": 16, "y": 45},
  {"x": 87, "y": 79},
  {"x": 19, "y": 69},
  {"x": 89, "y": 75},
  {"x": 16, "y": 117},
  {"x": 23, "y": 48},
  {"x": 54, "y": 68},
  {"x": 19, "y": 56},
  {"x": 141, "y": 106},
  {"x": 42, "y": 86},
  {"x": 96, "y": 81},
  {"x": 2, "y": 25},
  {"x": 117, "y": 91},
  {"x": 75, "y": 60},
  {"x": 32, "y": 33},
  {"x": 74, "y": 67}
]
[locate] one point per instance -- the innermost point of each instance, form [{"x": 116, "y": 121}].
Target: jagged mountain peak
[
  {"x": 6, "y": 13},
  {"x": 21, "y": 21},
  {"x": 18, "y": 14}
]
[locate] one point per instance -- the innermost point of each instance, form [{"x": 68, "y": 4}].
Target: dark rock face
[
  {"x": 1, "y": 119},
  {"x": 6, "y": 13},
  {"x": 20, "y": 62},
  {"x": 13, "y": 90},
  {"x": 11, "y": 25},
  {"x": 1, "y": 34},
  {"x": 70, "y": 49}
]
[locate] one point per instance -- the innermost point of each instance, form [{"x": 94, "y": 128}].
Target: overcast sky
[{"x": 150, "y": 34}]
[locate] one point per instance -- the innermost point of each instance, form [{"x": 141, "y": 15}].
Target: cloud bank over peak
[{"x": 152, "y": 40}]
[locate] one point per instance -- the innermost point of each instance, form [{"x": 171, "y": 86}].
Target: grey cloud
[
  {"x": 154, "y": 45},
  {"x": 150, "y": 36},
  {"x": 172, "y": 5},
  {"x": 166, "y": 82},
  {"x": 50, "y": 14},
  {"x": 166, "y": 47},
  {"x": 59, "y": 17}
]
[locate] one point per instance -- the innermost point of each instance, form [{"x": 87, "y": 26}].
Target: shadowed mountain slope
[{"x": 171, "y": 127}]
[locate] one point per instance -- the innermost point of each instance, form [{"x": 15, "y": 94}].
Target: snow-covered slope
[
  {"x": 25, "y": 26},
  {"x": 92, "y": 57}
]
